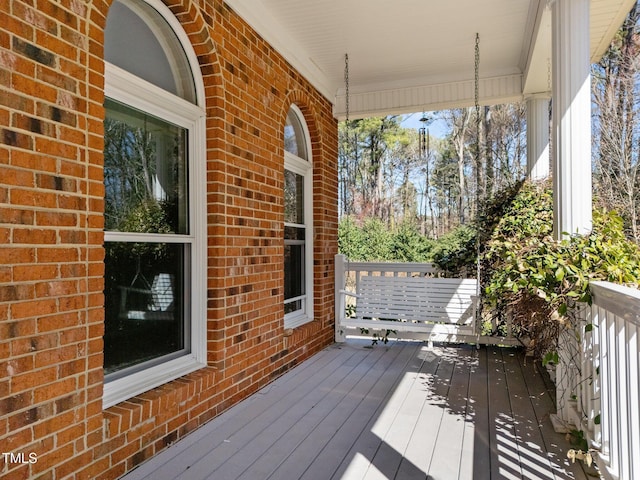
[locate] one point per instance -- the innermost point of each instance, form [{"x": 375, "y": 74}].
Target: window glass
[
  {"x": 294, "y": 285},
  {"x": 145, "y": 281},
  {"x": 154, "y": 242},
  {"x": 298, "y": 263},
  {"x": 144, "y": 309},
  {"x": 294, "y": 242},
  {"x": 140, "y": 41},
  {"x": 293, "y": 197},
  {"x": 294, "y": 137},
  {"x": 145, "y": 173}
]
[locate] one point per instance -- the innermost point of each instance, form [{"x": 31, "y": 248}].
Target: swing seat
[
  {"x": 442, "y": 309},
  {"x": 154, "y": 303}
]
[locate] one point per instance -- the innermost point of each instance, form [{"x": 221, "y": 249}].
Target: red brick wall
[{"x": 51, "y": 255}]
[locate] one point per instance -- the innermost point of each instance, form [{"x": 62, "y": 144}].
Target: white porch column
[
  {"x": 571, "y": 117},
  {"x": 538, "y": 162}
]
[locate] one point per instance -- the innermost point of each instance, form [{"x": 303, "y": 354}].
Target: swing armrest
[
  {"x": 137, "y": 314},
  {"x": 350, "y": 294}
]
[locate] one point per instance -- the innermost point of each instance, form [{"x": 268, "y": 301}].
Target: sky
[{"x": 437, "y": 128}]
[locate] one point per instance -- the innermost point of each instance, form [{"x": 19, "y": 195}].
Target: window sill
[
  {"x": 124, "y": 388},
  {"x": 296, "y": 320}
]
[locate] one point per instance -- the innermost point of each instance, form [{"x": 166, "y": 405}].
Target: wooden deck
[{"x": 402, "y": 411}]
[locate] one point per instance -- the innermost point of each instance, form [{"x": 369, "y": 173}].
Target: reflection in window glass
[
  {"x": 294, "y": 137},
  {"x": 144, "y": 173},
  {"x": 144, "y": 311},
  {"x": 141, "y": 42},
  {"x": 294, "y": 288},
  {"x": 145, "y": 282},
  {"x": 298, "y": 246},
  {"x": 293, "y": 197},
  {"x": 294, "y": 242},
  {"x": 294, "y": 285}
]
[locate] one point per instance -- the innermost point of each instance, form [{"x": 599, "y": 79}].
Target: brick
[
  {"x": 19, "y": 472},
  {"x": 30, "y": 416},
  {"x": 33, "y": 52},
  {"x": 70, "y": 434},
  {"x": 34, "y": 272},
  {"x": 51, "y": 283},
  {"x": 16, "y": 139},
  {"x": 33, "y": 198},
  {"x": 59, "y": 456},
  {"x": 13, "y": 176},
  {"x": 17, "y": 216},
  {"x": 18, "y": 328},
  {"x": 56, "y": 219},
  {"x": 16, "y": 255},
  {"x": 56, "y": 357},
  {"x": 20, "y": 383}
]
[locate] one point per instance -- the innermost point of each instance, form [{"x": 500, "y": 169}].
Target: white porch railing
[
  {"x": 453, "y": 303},
  {"x": 599, "y": 378}
]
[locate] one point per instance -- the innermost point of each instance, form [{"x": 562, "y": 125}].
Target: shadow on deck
[{"x": 400, "y": 411}]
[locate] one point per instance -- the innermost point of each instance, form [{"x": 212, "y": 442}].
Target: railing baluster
[
  {"x": 623, "y": 434},
  {"x": 596, "y": 387},
  {"x": 585, "y": 407},
  {"x": 633, "y": 379},
  {"x": 618, "y": 323},
  {"x": 614, "y": 393},
  {"x": 340, "y": 283},
  {"x": 605, "y": 392}
]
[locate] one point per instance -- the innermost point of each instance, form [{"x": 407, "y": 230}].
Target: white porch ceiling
[{"x": 412, "y": 55}]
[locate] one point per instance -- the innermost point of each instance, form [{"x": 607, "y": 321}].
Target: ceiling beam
[{"x": 492, "y": 91}]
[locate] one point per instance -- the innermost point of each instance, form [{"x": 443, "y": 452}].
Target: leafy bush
[
  {"x": 350, "y": 239},
  {"x": 369, "y": 242},
  {"x": 373, "y": 241},
  {"x": 378, "y": 240},
  {"x": 148, "y": 216},
  {"x": 539, "y": 281},
  {"x": 455, "y": 252},
  {"x": 409, "y": 245}
]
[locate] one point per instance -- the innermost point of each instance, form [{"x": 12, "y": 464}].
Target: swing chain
[
  {"x": 477, "y": 78},
  {"x": 346, "y": 85},
  {"x": 478, "y": 177}
]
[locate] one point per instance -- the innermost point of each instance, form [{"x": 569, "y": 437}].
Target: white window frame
[
  {"x": 137, "y": 93},
  {"x": 304, "y": 168}
]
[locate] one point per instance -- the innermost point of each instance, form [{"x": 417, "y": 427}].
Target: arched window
[
  {"x": 298, "y": 218},
  {"x": 154, "y": 193}
]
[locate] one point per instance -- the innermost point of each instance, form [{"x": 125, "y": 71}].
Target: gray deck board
[
  {"x": 415, "y": 460},
  {"x": 504, "y": 453},
  {"x": 354, "y": 441},
  {"x": 528, "y": 438},
  {"x": 476, "y": 443},
  {"x": 272, "y": 421},
  {"x": 553, "y": 444},
  {"x": 290, "y": 455},
  {"x": 401, "y": 411},
  {"x": 396, "y": 426},
  {"x": 201, "y": 443}
]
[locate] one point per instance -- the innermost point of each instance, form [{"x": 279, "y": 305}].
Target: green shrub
[
  {"x": 538, "y": 281},
  {"x": 350, "y": 239},
  {"x": 409, "y": 245},
  {"x": 377, "y": 240},
  {"x": 455, "y": 252},
  {"x": 373, "y": 241}
]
